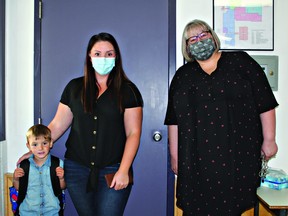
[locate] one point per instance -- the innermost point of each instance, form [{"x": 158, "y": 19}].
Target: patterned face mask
[{"x": 203, "y": 49}]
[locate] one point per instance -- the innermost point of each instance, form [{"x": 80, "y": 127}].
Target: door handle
[{"x": 157, "y": 136}]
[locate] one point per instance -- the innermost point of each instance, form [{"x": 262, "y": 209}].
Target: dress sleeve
[
  {"x": 170, "y": 118},
  {"x": 263, "y": 95},
  {"x": 65, "y": 99},
  {"x": 72, "y": 89},
  {"x": 132, "y": 96}
]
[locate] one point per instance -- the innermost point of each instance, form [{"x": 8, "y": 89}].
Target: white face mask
[{"x": 103, "y": 65}]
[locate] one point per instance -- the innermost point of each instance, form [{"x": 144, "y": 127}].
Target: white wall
[
  {"x": 188, "y": 10},
  {"x": 19, "y": 107}
]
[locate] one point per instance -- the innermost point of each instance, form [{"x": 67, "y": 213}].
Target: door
[{"x": 142, "y": 31}]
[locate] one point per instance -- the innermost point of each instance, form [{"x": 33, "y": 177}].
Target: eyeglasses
[{"x": 194, "y": 39}]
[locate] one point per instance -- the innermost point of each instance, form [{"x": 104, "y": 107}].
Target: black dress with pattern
[{"x": 219, "y": 134}]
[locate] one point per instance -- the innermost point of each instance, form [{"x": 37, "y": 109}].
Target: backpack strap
[
  {"x": 23, "y": 183},
  {"x": 55, "y": 162}
]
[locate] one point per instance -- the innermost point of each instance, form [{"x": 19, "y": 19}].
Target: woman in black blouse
[
  {"x": 104, "y": 111},
  {"x": 221, "y": 118}
]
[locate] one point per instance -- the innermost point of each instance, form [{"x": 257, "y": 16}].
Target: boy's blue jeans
[{"x": 103, "y": 202}]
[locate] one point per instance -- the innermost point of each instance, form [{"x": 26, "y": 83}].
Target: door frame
[{"x": 2, "y": 70}]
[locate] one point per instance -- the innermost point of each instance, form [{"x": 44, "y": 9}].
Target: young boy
[{"x": 40, "y": 198}]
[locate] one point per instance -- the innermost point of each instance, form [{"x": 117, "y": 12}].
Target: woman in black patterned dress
[{"x": 221, "y": 118}]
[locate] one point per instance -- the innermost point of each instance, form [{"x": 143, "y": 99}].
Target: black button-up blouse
[{"x": 97, "y": 140}]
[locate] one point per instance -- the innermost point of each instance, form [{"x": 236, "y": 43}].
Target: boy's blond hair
[{"x": 39, "y": 130}]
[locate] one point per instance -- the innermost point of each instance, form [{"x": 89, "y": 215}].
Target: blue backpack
[{"x": 17, "y": 197}]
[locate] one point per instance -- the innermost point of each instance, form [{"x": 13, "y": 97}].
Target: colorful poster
[{"x": 243, "y": 24}]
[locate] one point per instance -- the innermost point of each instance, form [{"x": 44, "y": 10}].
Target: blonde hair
[
  {"x": 195, "y": 25},
  {"x": 39, "y": 130}
]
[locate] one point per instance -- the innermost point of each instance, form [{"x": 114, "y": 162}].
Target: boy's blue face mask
[
  {"x": 103, "y": 65},
  {"x": 203, "y": 49}
]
